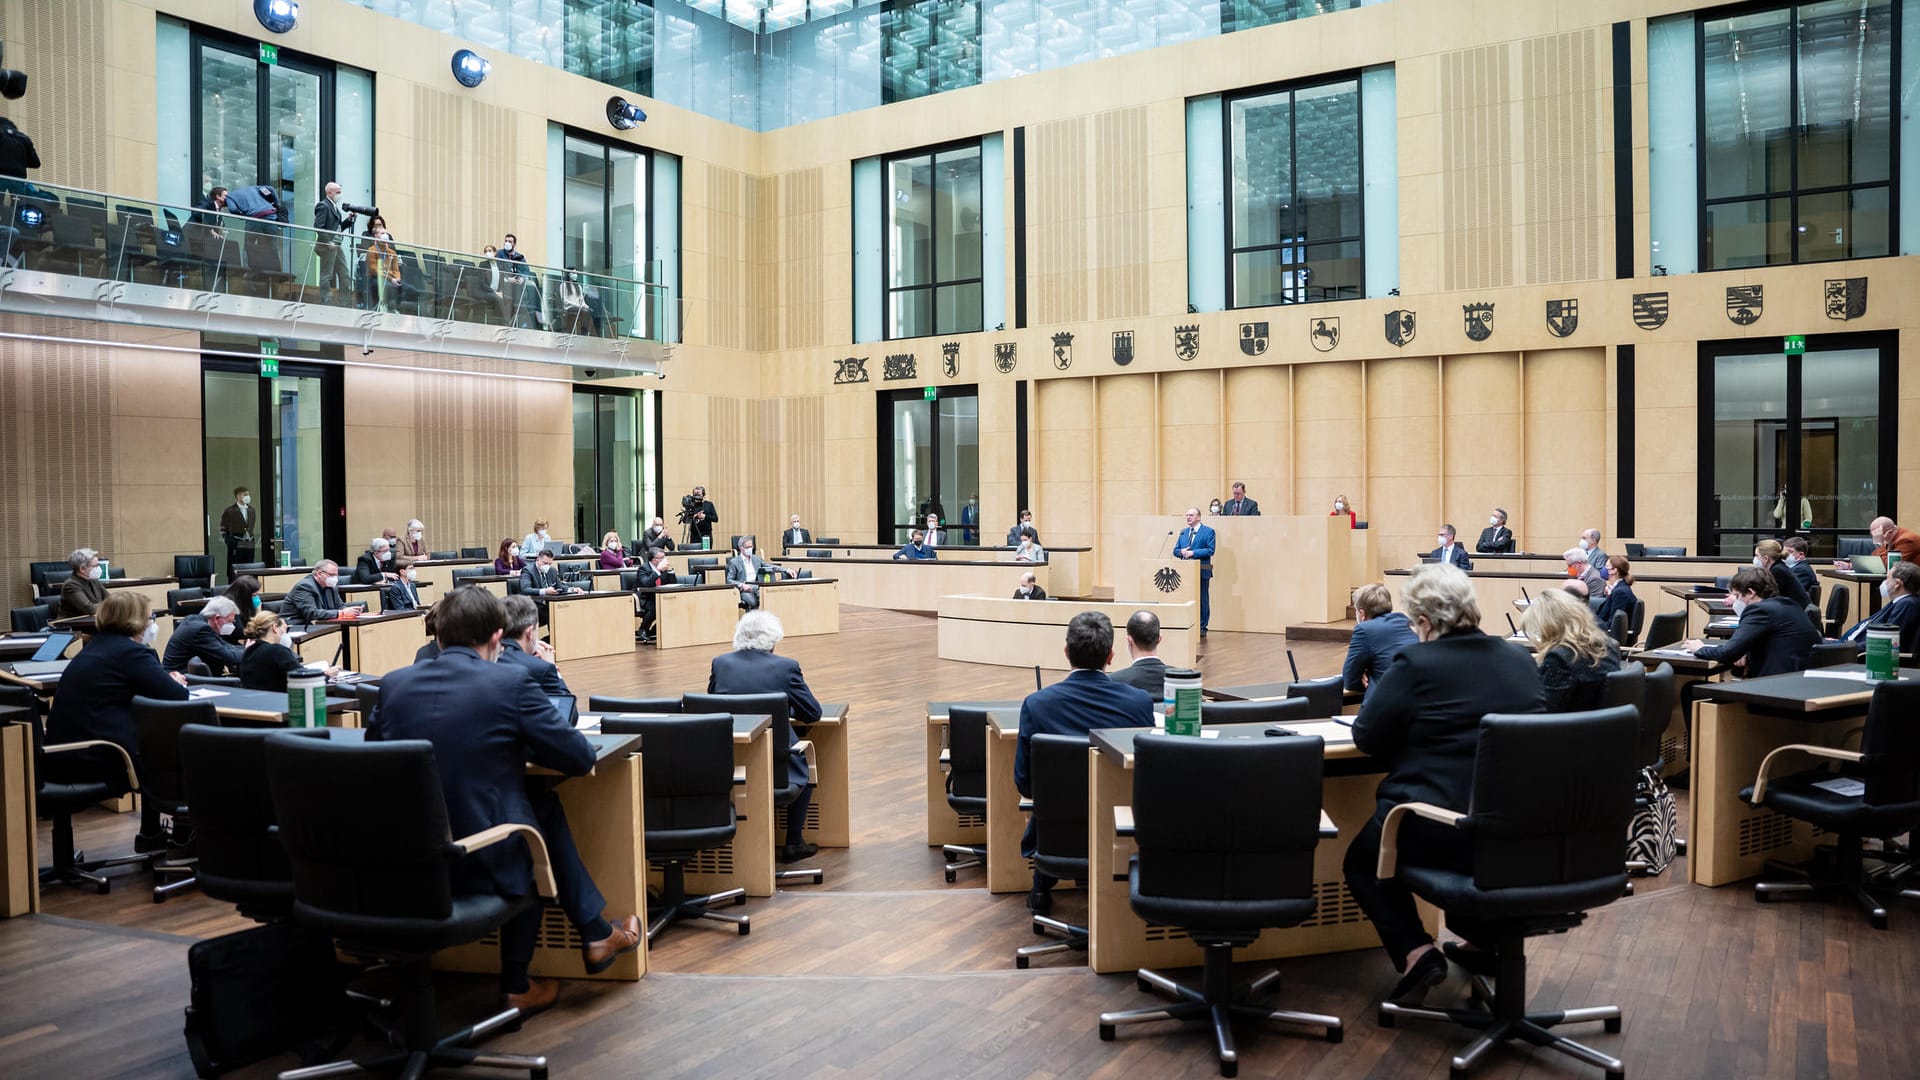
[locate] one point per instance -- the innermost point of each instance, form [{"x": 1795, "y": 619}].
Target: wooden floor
[{"x": 888, "y": 971}]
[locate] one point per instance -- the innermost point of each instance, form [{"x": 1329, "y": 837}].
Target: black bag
[{"x": 261, "y": 992}]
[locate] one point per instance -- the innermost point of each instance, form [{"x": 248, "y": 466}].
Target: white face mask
[
  {"x": 1443, "y": 540},
  {"x": 1739, "y": 605},
  {"x": 1586, "y": 544},
  {"x": 1494, "y": 521},
  {"x": 1757, "y": 562},
  {"x": 412, "y": 574},
  {"x": 414, "y": 534},
  {"x": 151, "y": 634},
  {"x": 513, "y": 553},
  {"x": 99, "y": 573},
  {"x": 386, "y": 556},
  {"x": 246, "y": 500},
  {"x": 746, "y": 549},
  {"x": 1340, "y": 506},
  {"x": 543, "y": 535},
  {"x": 1885, "y": 592}
]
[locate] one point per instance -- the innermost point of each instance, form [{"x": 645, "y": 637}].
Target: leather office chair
[
  {"x": 1666, "y": 629},
  {"x": 699, "y": 566},
  {"x": 31, "y": 619},
  {"x": 1888, "y": 762},
  {"x": 1283, "y": 711},
  {"x": 784, "y": 790},
  {"x": 601, "y": 703},
  {"x": 176, "y": 599},
  {"x": 211, "y": 680},
  {"x": 194, "y": 571},
  {"x": 474, "y": 553},
  {"x": 442, "y": 556},
  {"x": 1837, "y": 603},
  {"x": 1637, "y": 623},
  {"x": 241, "y": 859},
  {"x": 278, "y": 607},
  {"x": 689, "y": 781},
  {"x": 1324, "y": 695},
  {"x": 1666, "y": 552},
  {"x": 1552, "y": 795},
  {"x": 60, "y": 800},
  {"x": 242, "y": 567},
  {"x": 1617, "y": 629},
  {"x": 158, "y": 725},
  {"x": 365, "y": 831},
  {"x": 1226, "y": 832},
  {"x": 826, "y": 540},
  {"x": 1833, "y": 654},
  {"x": 464, "y": 575},
  {"x": 1850, "y": 546},
  {"x": 1057, "y": 772},
  {"x": 819, "y": 553},
  {"x": 367, "y": 697},
  {"x": 42, "y": 575},
  {"x": 966, "y": 782}
]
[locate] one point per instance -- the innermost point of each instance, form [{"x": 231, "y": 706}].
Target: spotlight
[
  {"x": 278, "y": 16},
  {"x": 470, "y": 69},
  {"x": 623, "y": 114},
  {"x": 31, "y": 217}
]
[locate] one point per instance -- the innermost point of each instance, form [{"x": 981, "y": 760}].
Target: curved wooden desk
[{"x": 1022, "y": 633}]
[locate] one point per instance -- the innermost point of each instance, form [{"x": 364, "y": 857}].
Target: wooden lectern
[{"x": 1164, "y": 580}]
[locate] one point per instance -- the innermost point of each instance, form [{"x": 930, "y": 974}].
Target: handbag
[{"x": 1656, "y": 819}]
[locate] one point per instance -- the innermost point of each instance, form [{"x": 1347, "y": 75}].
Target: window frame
[
  {"x": 933, "y": 286},
  {"x": 1291, "y": 88},
  {"x": 643, "y": 212},
  {"x": 1793, "y": 193}
]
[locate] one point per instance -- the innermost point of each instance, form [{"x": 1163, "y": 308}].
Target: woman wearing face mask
[
  {"x": 613, "y": 556},
  {"x": 1342, "y": 505},
  {"x": 96, "y": 702},
  {"x": 1619, "y": 589},
  {"x": 86, "y": 589},
  {"x": 268, "y": 662},
  {"x": 1768, "y": 555},
  {"x": 536, "y": 541},
  {"x": 508, "y": 560},
  {"x": 383, "y": 264},
  {"x": 245, "y": 594},
  {"x": 1213, "y": 508},
  {"x": 410, "y": 548}
]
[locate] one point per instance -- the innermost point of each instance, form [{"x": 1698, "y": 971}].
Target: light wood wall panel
[
  {"x": 1666, "y": 446},
  {"x": 1329, "y": 438},
  {"x": 849, "y": 462},
  {"x": 1190, "y": 439},
  {"x": 1066, "y": 461},
  {"x": 464, "y": 152},
  {"x": 1121, "y": 248},
  {"x": 723, "y": 312},
  {"x": 802, "y": 272},
  {"x": 1090, "y": 230},
  {"x": 1405, "y": 503},
  {"x": 1128, "y": 465},
  {"x": 1567, "y": 125},
  {"x": 801, "y": 451},
  {"x": 1477, "y": 220},
  {"x": 1566, "y": 443},
  {"x": 999, "y": 458},
  {"x": 1057, "y": 221},
  {"x": 65, "y": 48},
  {"x": 1259, "y": 437},
  {"x": 1484, "y": 431}
]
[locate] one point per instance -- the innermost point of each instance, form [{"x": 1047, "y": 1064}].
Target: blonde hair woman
[
  {"x": 1575, "y": 654},
  {"x": 1344, "y": 505},
  {"x": 267, "y": 662}
]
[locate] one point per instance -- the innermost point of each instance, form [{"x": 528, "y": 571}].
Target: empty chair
[
  {"x": 786, "y": 790},
  {"x": 243, "y": 567},
  {"x": 689, "y": 782},
  {"x": 966, "y": 782},
  {"x": 211, "y": 680},
  {"x": 1058, "y": 776},
  {"x": 443, "y": 556},
  {"x": 1850, "y": 546},
  {"x": 819, "y": 553},
  {"x": 826, "y": 539},
  {"x": 30, "y": 619},
  {"x": 1558, "y": 783},
  {"x": 474, "y": 553},
  {"x": 194, "y": 571},
  {"x": 1325, "y": 695},
  {"x": 1666, "y": 552},
  {"x": 178, "y": 605},
  {"x": 1833, "y": 654},
  {"x": 465, "y": 575},
  {"x": 1666, "y": 629},
  {"x": 1837, "y": 602},
  {"x": 73, "y": 245},
  {"x": 61, "y": 799},
  {"x": 1281, "y": 711},
  {"x": 1617, "y": 629},
  {"x": 1888, "y": 764},
  {"x": 47, "y": 576},
  {"x": 374, "y": 871},
  {"x": 158, "y": 724},
  {"x": 264, "y": 266},
  {"x": 1226, "y": 832},
  {"x": 1637, "y": 623},
  {"x": 367, "y": 699},
  {"x": 239, "y": 855},
  {"x": 601, "y": 703}
]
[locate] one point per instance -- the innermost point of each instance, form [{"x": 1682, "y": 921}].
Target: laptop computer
[
  {"x": 564, "y": 705},
  {"x": 1869, "y": 564},
  {"x": 52, "y": 647}
]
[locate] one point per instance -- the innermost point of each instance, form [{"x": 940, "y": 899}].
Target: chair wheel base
[
  {"x": 952, "y": 877},
  {"x": 1106, "y": 1032},
  {"x": 1020, "y": 962},
  {"x": 1611, "y": 1026},
  {"x": 745, "y": 929},
  {"x": 1384, "y": 1020}
]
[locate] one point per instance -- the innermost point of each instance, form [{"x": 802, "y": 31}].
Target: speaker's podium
[
  {"x": 1268, "y": 572},
  {"x": 1164, "y": 580}
]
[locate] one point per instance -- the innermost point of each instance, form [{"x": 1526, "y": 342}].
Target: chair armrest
[
  {"x": 133, "y": 778},
  {"x": 805, "y": 746},
  {"x": 946, "y": 760},
  {"x": 1328, "y": 830},
  {"x": 1123, "y": 846},
  {"x": 1766, "y": 763},
  {"x": 1026, "y": 806},
  {"x": 739, "y": 793},
  {"x": 1123, "y": 820},
  {"x": 1390, "y": 832},
  {"x": 536, "y": 846}
]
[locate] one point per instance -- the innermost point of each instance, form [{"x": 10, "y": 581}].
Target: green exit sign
[
  {"x": 269, "y": 54},
  {"x": 269, "y": 358},
  {"x": 931, "y": 393},
  {"x": 1796, "y": 344}
]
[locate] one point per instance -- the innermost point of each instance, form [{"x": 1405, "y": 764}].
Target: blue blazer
[
  {"x": 545, "y": 675},
  {"x": 1081, "y": 702},
  {"x": 1459, "y": 555},
  {"x": 756, "y": 671},
  {"x": 1773, "y": 635},
  {"x": 486, "y": 722},
  {"x": 94, "y": 700},
  {"x": 400, "y": 595},
  {"x": 923, "y": 554},
  {"x": 1200, "y": 539},
  {"x": 195, "y": 637},
  {"x": 1374, "y": 645},
  {"x": 1903, "y": 612}
]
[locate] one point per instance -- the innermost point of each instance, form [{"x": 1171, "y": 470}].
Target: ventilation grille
[
  {"x": 971, "y": 821},
  {"x": 1765, "y": 831},
  {"x": 780, "y": 818},
  {"x": 1334, "y": 905},
  {"x": 1157, "y": 933},
  {"x": 712, "y": 861},
  {"x": 555, "y": 932}
]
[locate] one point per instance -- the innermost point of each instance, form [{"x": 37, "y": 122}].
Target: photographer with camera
[
  {"x": 699, "y": 516},
  {"x": 17, "y": 154},
  {"x": 334, "y": 216}
]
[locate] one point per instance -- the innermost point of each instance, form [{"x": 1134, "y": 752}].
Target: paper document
[
  {"x": 202, "y": 693},
  {"x": 1843, "y": 785},
  {"x": 1829, "y": 673},
  {"x": 1209, "y": 733},
  {"x": 587, "y": 722}
]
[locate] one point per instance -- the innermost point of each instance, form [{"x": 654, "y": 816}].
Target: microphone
[
  {"x": 1295, "y": 668},
  {"x": 1163, "y": 545}
]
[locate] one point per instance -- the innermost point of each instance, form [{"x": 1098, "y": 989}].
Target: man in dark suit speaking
[
  {"x": 753, "y": 668},
  {"x": 1196, "y": 542},
  {"x": 1148, "y": 671},
  {"x": 1086, "y": 699},
  {"x": 486, "y": 721}
]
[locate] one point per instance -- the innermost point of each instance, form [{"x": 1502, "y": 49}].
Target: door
[
  {"x": 929, "y": 458},
  {"x": 281, "y": 439},
  {"x": 616, "y": 463}
]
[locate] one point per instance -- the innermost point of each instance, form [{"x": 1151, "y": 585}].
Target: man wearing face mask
[
  {"x": 916, "y": 549},
  {"x": 1596, "y": 558},
  {"x": 316, "y": 597},
  {"x": 1773, "y": 636},
  {"x": 1496, "y": 538},
  {"x": 1013, "y": 534},
  {"x": 411, "y": 548},
  {"x": 332, "y": 217},
  {"x": 1900, "y": 609},
  {"x": 970, "y": 520},
  {"x": 375, "y": 564},
  {"x": 202, "y": 637},
  {"x": 1797, "y": 564},
  {"x": 656, "y": 536},
  {"x": 796, "y": 535},
  {"x": 654, "y": 573},
  {"x": 744, "y": 570},
  {"x": 403, "y": 592},
  {"x": 237, "y": 525},
  {"x": 86, "y": 590},
  {"x": 1449, "y": 552}
]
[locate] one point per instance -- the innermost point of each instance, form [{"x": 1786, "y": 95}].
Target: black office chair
[
  {"x": 1837, "y": 603},
  {"x": 47, "y": 576},
  {"x": 1617, "y": 629},
  {"x": 1325, "y": 695},
  {"x": 367, "y": 699},
  {"x": 1057, "y": 772},
  {"x": 699, "y": 565},
  {"x": 966, "y": 783},
  {"x": 1888, "y": 762},
  {"x": 1666, "y": 629},
  {"x": 1833, "y": 654},
  {"x": 601, "y": 703},
  {"x": 1552, "y": 795},
  {"x": 78, "y": 788},
  {"x": 211, "y": 680},
  {"x": 194, "y": 571},
  {"x": 819, "y": 553},
  {"x": 177, "y": 598},
  {"x": 1292, "y": 710},
  {"x": 1226, "y": 832},
  {"x": 158, "y": 725},
  {"x": 826, "y": 540},
  {"x": 474, "y": 553},
  {"x": 31, "y": 619},
  {"x": 241, "y": 859},
  {"x": 242, "y": 567},
  {"x": 690, "y": 784},
  {"x": 1666, "y": 552},
  {"x": 1850, "y": 546},
  {"x": 785, "y": 791},
  {"x": 466, "y": 575},
  {"x": 1637, "y": 623},
  {"x": 365, "y": 830}
]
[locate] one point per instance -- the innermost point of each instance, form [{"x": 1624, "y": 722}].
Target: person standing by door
[{"x": 237, "y": 529}]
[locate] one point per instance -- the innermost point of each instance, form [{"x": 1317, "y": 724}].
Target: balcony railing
[{"x": 347, "y": 281}]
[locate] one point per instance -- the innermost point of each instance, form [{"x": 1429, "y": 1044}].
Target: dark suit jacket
[
  {"x": 1038, "y": 593},
  {"x": 400, "y": 595},
  {"x": 1148, "y": 673},
  {"x": 1903, "y": 613},
  {"x": 1081, "y": 702},
  {"x": 1495, "y": 540},
  {"x": 1459, "y": 557},
  {"x": 1374, "y": 644},
  {"x": 649, "y": 578},
  {"x": 1422, "y": 719},
  {"x": 307, "y": 603},
  {"x": 1774, "y": 636},
  {"x": 545, "y": 675},
  {"x": 796, "y": 538},
  {"x": 1240, "y": 508},
  {"x": 79, "y": 596},
  {"x": 195, "y": 637},
  {"x": 664, "y": 542},
  {"x": 533, "y": 579},
  {"x": 703, "y": 528},
  {"x": 327, "y": 217},
  {"x": 1573, "y": 683},
  {"x": 755, "y": 671},
  {"x": 236, "y": 523},
  {"x": 1803, "y": 572},
  {"x": 266, "y": 667},
  {"x": 369, "y": 571},
  {"x": 1620, "y": 599},
  {"x": 94, "y": 701},
  {"x": 1787, "y": 585},
  {"x": 486, "y": 722},
  {"x": 921, "y": 554}
]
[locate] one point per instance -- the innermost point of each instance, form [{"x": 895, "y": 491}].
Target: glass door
[
  {"x": 1795, "y": 445},
  {"x": 929, "y": 458},
  {"x": 280, "y": 439},
  {"x": 616, "y": 462}
]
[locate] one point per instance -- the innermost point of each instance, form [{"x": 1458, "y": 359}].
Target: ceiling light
[
  {"x": 623, "y": 114},
  {"x": 470, "y": 69},
  {"x": 278, "y": 16}
]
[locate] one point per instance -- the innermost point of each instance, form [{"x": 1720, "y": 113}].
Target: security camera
[
  {"x": 366, "y": 350},
  {"x": 591, "y": 372},
  {"x": 661, "y": 375}
]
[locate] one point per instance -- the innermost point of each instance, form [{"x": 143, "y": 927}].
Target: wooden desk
[
  {"x": 442, "y": 582},
  {"x": 1007, "y": 869},
  {"x": 377, "y": 644},
  {"x": 1020, "y": 633},
  {"x": 263, "y": 708},
  {"x": 747, "y": 862},
  {"x": 1122, "y": 941},
  {"x": 318, "y": 645},
  {"x": 918, "y": 585},
  {"x": 580, "y": 625},
  {"x": 19, "y": 831},
  {"x": 1350, "y": 700},
  {"x": 374, "y": 596},
  {"x": 686, "y": 615},
  {"x": 154, "y": 589},
  {"x": 806, "y": 606},
  {"x": 829, "y": 818},
  {"x": 1071, "y": 570},
  {"x": 1736, "y": 726},
  {"x": 943, "y": 825},
  {"x": 40, "y": 677}
]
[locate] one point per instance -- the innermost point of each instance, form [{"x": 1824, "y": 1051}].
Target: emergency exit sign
[
  {"x": 1796, "y": 344},
  {"x": 269, "y": 358},
  {"x": 269, "y": 54},
  {"x": 931, "y": 393}
]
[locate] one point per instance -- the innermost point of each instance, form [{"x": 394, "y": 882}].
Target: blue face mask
[{"x": 256, "y": 603}]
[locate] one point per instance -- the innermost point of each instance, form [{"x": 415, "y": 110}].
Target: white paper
[
  {"x": 588, "y": 722},
  {"x": 1843, "y": 785},
  {"x": 201, "y": 693},
  {"x": 1829, "y": 673},
  {"x": 1209, "y": 733}
]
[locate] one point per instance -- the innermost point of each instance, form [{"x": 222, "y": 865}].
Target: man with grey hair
[
  {"x": 316, "y": 597},
  {"x": 752, "y": 668},
  {"x": 86, "y": 588},
  {"x": 202, "y": 637},
  {"x": 376, "y": 563},
  {"x": 1596, "y": 558}
]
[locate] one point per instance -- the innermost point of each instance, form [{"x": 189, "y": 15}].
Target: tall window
[
  {"x": 933, "y": 250},
  {"x": 606, "y": 208},
  {"x": 616, "y": 463},
  {"x": 1294, "y": 211},
  {"x": 1798, "y": 149}
]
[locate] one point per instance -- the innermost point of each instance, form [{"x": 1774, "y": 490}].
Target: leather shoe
[
  {"x": 540, "y": 996},
  {"x": 600, "y": 955},
  {"x": 149, "y": 844},
  {"x": 1040, "y": 902},
  {"x": 1472, "y": 961},
  {"x": 796, "y": 852},
  {"x": 1421, "y": 976}
]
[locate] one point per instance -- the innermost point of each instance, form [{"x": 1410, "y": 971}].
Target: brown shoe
[
  {"x": 600, "y": 955},
  {"x": 540, "y": 996}
]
